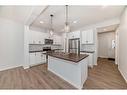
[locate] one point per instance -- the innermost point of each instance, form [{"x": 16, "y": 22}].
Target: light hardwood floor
[{"x": 103, "y": 76}]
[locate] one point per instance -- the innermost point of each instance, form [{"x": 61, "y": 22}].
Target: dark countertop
[
  {"x": 68, "y": 56},
  {"x": 33, "y": 51},
  {"x": 36, "y": 51},
  {"x": 39, "y": 51},
  {"x": 88, "y": 51},
  {"x": 47, "y": 44}
]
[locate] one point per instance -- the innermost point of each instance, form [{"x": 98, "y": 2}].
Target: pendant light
[
  {"x": 51, "y": 26},
  {"x": 67, "y": 28}
]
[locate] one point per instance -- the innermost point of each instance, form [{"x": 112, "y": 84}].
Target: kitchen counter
[
  {"x": 88, "y": 51},
  {"x": 33, "y": 51},
  {"x": 68, "y": 56},
  {"x": 71, "y": 67}
]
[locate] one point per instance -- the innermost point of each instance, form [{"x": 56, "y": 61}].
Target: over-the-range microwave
[{"x": 48, "y": 41}]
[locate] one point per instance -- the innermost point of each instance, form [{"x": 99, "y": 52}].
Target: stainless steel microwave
[{"x": 48, "y": 41}]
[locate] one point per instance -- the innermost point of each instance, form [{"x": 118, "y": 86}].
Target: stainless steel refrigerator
[{"x": 74, "y": 46}]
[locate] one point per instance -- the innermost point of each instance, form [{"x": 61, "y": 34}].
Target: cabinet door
[
  {"x": 32, "y": 58},
  {"x": 43, "y": 58},
  {"x": 90, "y": 59},
  {"x": 57, "y": 39},
  {"x": 38, "y": 57},
  {"x": 89, "y": 36},
  {"x": 32, "y": 37},
  {"x": 76, "y": 34},
  {"x": 84, "y": 37},
  {"x": 71, "y": 35}
]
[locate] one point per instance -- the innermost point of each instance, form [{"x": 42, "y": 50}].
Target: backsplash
[
  {"x": 87, "y": 47},
  {"x": 35, "y": 47}
]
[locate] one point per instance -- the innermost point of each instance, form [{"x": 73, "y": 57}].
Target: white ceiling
[
  {"x": 107, "y": 28},
  {"x": 84, "y": 15},
  {"x": 16, "y": 13}
]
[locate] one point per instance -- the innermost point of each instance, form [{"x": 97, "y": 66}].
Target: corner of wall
[{"x": 122, "y": 73}]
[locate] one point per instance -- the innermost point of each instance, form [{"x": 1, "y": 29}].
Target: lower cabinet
[
  {"x": 37, "y": 58},
  {"x": 90, "y": 59},
  {"x": 32, "y": 58}
]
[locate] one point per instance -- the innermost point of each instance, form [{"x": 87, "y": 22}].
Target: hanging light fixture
[
  {"x": 51, "y": 26},
  {"x": 67, "y": 28}
]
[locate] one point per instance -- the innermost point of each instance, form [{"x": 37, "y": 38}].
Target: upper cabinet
[
  {"x": 37, "y": 37},
  {"x": 87, "y": 37},
  {"x": 72, "y": 35},
  {"x": 57, "y": 39}
]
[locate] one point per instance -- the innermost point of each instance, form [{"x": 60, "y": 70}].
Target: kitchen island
[{"x": 69, "y": 66}]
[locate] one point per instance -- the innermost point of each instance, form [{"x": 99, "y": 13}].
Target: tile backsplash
[
  {"x": 35, "y": 47},
  {"x": 87, "y": 47}
]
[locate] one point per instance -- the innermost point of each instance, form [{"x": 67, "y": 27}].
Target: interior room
[{"x": 63, "y": 47}]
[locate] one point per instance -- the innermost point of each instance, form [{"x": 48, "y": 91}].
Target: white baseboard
[
  {"x": 122, "y": 74},
  {"x": 26, "y": 67},
  {"x": 2, "y": 68}
]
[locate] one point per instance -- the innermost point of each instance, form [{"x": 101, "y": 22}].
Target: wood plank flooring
[{"x": 103, "y": 76}]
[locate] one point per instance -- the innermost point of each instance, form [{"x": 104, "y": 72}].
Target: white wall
[
  {"x": 122, "y": 32},
  {"x": 11, "y": 44},
  {"x": 105, "y": 49}
]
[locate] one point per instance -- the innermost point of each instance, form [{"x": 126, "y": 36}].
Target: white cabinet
[
  {"x": 43, "y": 58},
  {"x": 37, "y": 58},
  {"x": 70, "y": 35},
  {"x": 75, "y": 34},
  {"x": 87, "y": 37},
  {"x": 90, "y": 58},
  {"x": 57, "y": 39},
  {"x": 32, "y": 58},
  {"x": 37, "y": 37}
]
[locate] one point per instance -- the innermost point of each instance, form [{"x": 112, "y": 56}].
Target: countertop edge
[{"x": 69, "y": 59}]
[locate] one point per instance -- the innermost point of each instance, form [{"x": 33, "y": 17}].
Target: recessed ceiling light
[
  {"x": 41, "y": 22},
  {"x": 105, "y": 29},
  {"x": 75, "y": 21},
  {"x": 104, "y": 6}
]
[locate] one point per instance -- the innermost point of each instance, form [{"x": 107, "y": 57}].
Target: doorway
[{"x": 106, "y": 45}]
